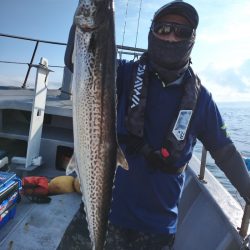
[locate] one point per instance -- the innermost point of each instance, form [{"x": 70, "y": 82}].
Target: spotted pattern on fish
[{"x": 94, "y": 111}]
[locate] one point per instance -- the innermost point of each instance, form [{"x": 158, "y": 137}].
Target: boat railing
[
  {"x": 243, "y": 230},
  {"x": 121, "y": 50}
]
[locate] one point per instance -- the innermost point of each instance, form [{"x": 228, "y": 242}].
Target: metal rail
[
  {"x": 203, "y": 164},
  {"x": 120, "y": 50},
  {"x": 245, "y": 221},
  {"x": 60, "y": 43},
  {"x": 31, "y": 39}
]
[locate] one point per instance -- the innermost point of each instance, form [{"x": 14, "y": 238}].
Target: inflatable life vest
[{"x": 176, "y": 136}]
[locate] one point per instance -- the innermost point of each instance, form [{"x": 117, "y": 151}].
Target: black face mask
[{"x": 169, "y": 59}]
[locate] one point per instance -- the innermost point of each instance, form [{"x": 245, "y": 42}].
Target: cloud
[
  {"x": 223, "y": 35},
  {"x": 229, "y": 85},
  {"x": 225, "y": 93},
  {"x": 244, "y": 69},
  {"x": 227, "y": 78}
]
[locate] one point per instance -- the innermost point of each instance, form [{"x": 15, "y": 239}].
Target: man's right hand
[{"x": 134, "y": 144}]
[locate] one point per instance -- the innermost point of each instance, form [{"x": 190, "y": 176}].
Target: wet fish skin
[{"x": 94, "y": 112}]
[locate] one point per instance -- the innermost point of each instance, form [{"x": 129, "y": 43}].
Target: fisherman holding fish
[{"x": 162, "y": 110}]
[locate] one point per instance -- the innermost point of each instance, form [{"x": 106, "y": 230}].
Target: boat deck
[{"x": 39, "y": 226}]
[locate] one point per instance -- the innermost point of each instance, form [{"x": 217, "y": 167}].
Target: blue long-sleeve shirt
[{"x": 144, "y": 198}]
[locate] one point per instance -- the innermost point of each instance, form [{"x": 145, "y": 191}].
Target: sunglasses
[{"x": 165, "y": 28}]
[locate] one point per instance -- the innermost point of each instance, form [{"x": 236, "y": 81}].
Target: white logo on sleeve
[{"x": 138, "y": 85}]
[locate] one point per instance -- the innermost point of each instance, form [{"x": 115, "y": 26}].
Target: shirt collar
[{"x": 176, "y": 82}]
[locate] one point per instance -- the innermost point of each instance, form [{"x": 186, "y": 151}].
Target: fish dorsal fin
[{"x": 121, "y": 160}]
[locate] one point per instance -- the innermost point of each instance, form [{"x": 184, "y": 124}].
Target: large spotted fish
[{"x": 94, "y": 112}]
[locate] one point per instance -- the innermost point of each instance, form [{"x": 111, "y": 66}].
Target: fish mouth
[
  {"x": 85, "y": 24},
  {"x": 89, "y": 17},
  {"x": 85, "y": 17},
  {"x": 86, "y": 28}
]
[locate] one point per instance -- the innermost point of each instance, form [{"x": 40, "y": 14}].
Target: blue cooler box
[{"x": 10, "y": 185}]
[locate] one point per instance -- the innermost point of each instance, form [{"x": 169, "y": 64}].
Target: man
[{"x": 162, "y": 110}]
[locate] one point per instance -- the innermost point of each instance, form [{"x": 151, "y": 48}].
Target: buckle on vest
[
  {"x": 164, "y": 153},
  {"x": 169, "y": 169}
]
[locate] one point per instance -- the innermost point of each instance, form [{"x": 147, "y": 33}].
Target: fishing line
[
  {"x": 124, "y": 28},
  {"x": 138, "y": 24}
]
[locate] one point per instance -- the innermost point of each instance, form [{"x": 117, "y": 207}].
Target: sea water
[{"x": 237, "y": 119}]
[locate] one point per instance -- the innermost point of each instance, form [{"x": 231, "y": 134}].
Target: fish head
[
  {"x": 90, "y": 14},
  {"x": 84, "y": 15}
]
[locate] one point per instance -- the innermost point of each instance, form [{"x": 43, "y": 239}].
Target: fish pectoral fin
[
  {"x": 121, "y": 160},
  {"x": 71, "y": 167}
]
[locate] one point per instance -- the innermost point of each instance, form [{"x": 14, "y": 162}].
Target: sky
[{"x": 221, "y": 55}]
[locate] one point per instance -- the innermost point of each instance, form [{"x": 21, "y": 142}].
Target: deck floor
[{"x": 39, "y": 226}]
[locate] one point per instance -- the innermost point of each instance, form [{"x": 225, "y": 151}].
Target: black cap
[{"x": 180, "y": 8}]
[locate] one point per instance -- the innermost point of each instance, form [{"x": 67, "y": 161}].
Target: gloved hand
[
  {"x": 134, "y": 144},
  {"x": 231, "y": 163},
  {"x": 162, "y": 160},
  {"x": 156, "y": 160}
]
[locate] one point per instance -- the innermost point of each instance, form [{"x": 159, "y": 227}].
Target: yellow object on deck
[{"x": 61, "y": 185}]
